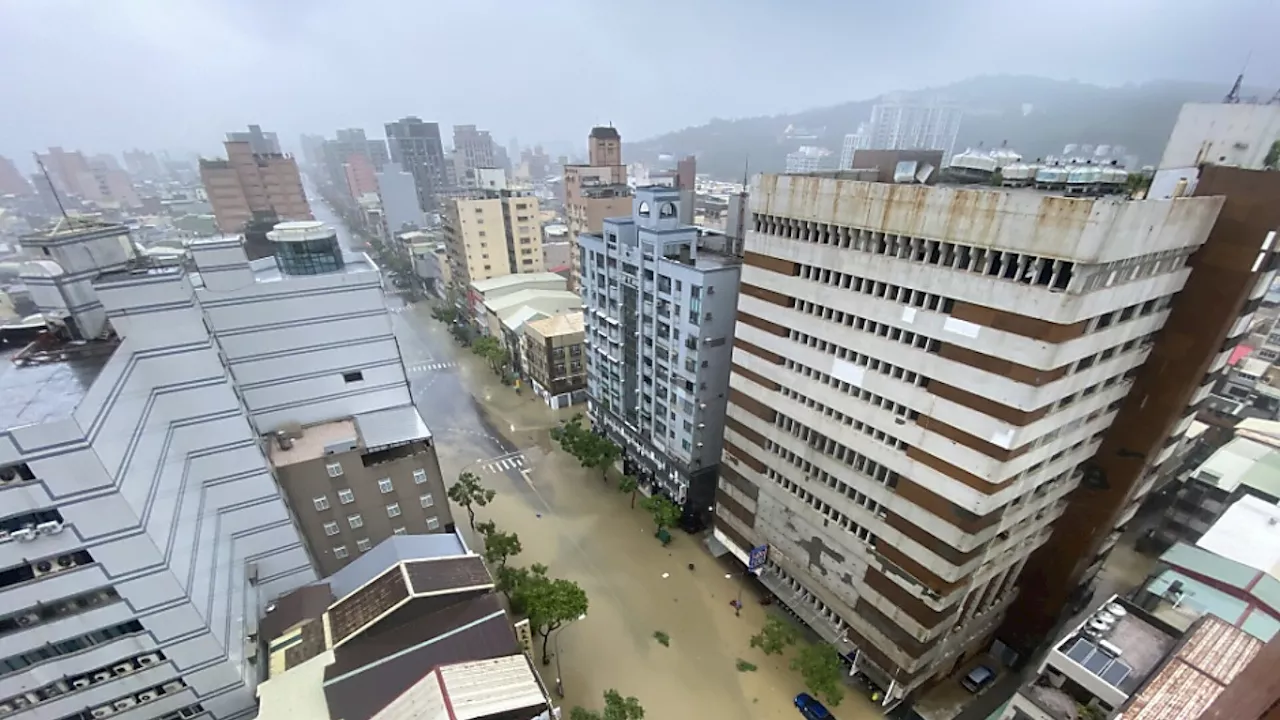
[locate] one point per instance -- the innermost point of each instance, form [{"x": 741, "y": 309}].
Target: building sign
[
  {"x": 525, "y": 636},
  {"x": 759, "y": 555}
]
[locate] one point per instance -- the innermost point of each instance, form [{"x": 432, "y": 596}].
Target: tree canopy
[
  {"x": 549, "y": 603},
  {"x": 776, "y": 635},
  {"x": 616, "y": 707},
  {"x": 822, "y": 671},
  {"x": 591, "y": 450},
  {"x": 665, "y": 512},
  {"x": 499, "y": 546}
]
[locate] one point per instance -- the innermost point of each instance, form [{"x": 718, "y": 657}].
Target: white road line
[{"x": 520, "y": 461}]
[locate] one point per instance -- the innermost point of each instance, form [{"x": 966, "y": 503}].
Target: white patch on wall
[
  {"x": 1003, "y": 438},
  {"x": 848, "y": 372},
  {"x": 908, "y": 315},
  {"x": 961, "y": 327}
]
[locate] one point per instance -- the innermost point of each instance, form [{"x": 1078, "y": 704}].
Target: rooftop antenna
[
  {"x": 44, "y": 171},
  {"x": 1233, "y": 95},
  {"x": 1275, "y": 99},
  {"x": 746, "y": 165}
]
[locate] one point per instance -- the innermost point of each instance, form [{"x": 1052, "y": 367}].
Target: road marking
[{"x": 431, "y": 366}]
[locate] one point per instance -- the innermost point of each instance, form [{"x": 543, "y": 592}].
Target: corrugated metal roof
[
  {"x": 1212, "y": 655},
  {"x": 1248, "y": 533}
]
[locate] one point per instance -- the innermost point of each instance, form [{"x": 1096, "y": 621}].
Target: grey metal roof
[
  {"x": 394, "y": 549},
  {"x": 391, "y": 426}
]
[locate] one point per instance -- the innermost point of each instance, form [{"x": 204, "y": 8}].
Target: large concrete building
[
  {"x": 415, "y": 145},
  {"x": 659, "y": 309},
  {"x": 491, "y": 233},
  {"x": 398, "y": 192},
  {"x": 595, "y": 191},
  {"x": 250, "y": 186},
  {"x": 473, "y": 150},
  {"x": 11, "y": 180},
  {"x": 918, "y": 373},
  {"x": 261, "y": 143},
  {"x": 143, "y": 532}
]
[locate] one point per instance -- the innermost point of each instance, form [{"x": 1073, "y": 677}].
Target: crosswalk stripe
[{"x": 519, "y": 462}]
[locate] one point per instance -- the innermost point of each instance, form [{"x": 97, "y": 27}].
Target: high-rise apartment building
[
  {"x": 399, "y": 195},
  {"x": 261, "y": 143},
  {"x": 68, "y": 171},
  {"x": 595, "y": 191},
  {"x": 250, "y": 186},
  {"x": 492, "y": 233},
  {"x": 918, "y": 373},
  {"x": 473, "y": 149},
  {"x": 860, "y": 140},
  {"x": 810, "y": 159},
  {"x": 416, "y": 146},
  {"x": 361, "y": 176},
  {"x": 1209, "y": 317},
  {"x": 142, "y": 532},
  {"x": 11, "y": 180},
  {"x": 903, "y": 125},
  {"x": 659, "y": 315},
  {"x": 143, "y": 165}
]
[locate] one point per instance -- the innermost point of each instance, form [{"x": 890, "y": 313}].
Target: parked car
[
  {"x": 810, "y": 708},
  {"x": 978, "y": 678}
]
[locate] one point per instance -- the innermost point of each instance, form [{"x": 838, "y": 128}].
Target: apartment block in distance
[
  {"x": 595, "y": 191},
  {"x": 491, "y": 233},
  {"x": 658, "y": 309},
  {"x": 554, "y": 358},
  {"x": 918, "y": 373},
  {"x": 251, "y": 185}
]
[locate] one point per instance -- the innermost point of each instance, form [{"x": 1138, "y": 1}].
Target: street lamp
[{"x": 559, "y": 682}]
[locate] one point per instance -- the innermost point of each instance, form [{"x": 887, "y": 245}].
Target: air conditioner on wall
[
  {"x": 123, "y": 669},
  {"x": 104, "y": 711},
  {"x": 147, "y": 696},
  {"x": 49, "y": 528},
  {"x": 125, "y": 703},
  {"x": 173, "y": 687},
  {"x": 80, "y": 683},
  {"x": 147, "y": 660}
]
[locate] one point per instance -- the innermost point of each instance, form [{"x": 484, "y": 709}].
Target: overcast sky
[{"x": 107, "y": 75}]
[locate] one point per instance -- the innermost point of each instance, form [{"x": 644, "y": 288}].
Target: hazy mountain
[{"x": 1035, "y": 116}]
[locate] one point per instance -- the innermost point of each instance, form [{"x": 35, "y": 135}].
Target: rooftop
[
  {"x": 393, "y": 550},
  {"x": 42, "y": 385},
  {"x": 368, "y": 432},
  {"x": 1248, "y": 533},
  {"x": 532, "y": 296},
  {"x": 556, "y": 325},
  {"x": 496, "y": 688},
  {"x": 1209, "y": 657},
  {"x": 1184, "y": 595},
  {"x": 507, "y": 281},
  {"x": 1142, "y": 642},
  {"x": 1242, "y": 461}
]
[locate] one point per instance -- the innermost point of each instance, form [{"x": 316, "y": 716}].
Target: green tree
[
  {"x": 498, "y": 546},
  {"x": 549, "y": 603},
  {"x": 616, "y": 707},
  {"x": 591, "y": 450},
  {"x": 665, "y": 512},
  {"x": 470, "y": 494},
  {"x": 822, "y": 671},
  {"x": 510, "y": 580},
  {"x": 629, "y": 484},
  {"x": 775, "y": 636},
  {"x": 1272, "y": 160}
]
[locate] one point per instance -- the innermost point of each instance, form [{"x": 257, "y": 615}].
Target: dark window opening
[{"x": 351, "y": 377}]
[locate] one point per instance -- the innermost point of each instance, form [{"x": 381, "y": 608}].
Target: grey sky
[{"x": 103, "y": 76}]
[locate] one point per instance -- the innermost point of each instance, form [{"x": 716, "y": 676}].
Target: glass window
[
  {"x": 340, "y": 551},
  {"x": 419, "y": 476},
  {"x": 331, "y": 528},
  {"x": 385, "y": 485},
  {"x": 432, "y": 523},
  {"x": 426, "y": 500},
  {"x": 364, "y": 544},
  {"x": 334, "y": 469},
  {"x": 346, "y": 497},
  {"x": 309, "y": 257},
  {"x": 321, "y": 503},
  {"x": 393, "y": 510},
  {"x": 355, "y": 521},
  {"x": 400, "y": 531}
]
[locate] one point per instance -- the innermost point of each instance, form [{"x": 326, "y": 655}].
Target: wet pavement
[{"x": 585, "y": 531}]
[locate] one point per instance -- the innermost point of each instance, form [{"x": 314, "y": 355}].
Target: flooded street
[{"x": 585, "y": 531}]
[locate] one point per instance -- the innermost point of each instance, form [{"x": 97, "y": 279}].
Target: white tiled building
[{"x": 143, "y": 532}]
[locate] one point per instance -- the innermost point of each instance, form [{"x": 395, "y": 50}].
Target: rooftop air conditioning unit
[
  {"x": 23, "y": 534},
  {"x": 147, "y": 696},
  {"x": 104, "y": 711},
  {"x": 52, "y": 527}
]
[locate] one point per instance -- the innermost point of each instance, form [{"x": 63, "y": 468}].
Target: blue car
[{"x": 810, "y": 708}]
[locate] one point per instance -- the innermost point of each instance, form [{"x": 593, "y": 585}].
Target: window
[
  {"x": 393, "y": 510},
  {"x": 354, "y": 376},
  {"x": 334, "y": 469},
  {"x": 400, "y": 531},
  {"x": 419, "y": 476},
  {"x": 432, "y": 523},
  {"x": 321, "y": 503},
  {"x": 355, "y": 521},
  {"x": 364, "y": 545},
  {"x": 340, "y": 551},
  {"x": 331, "y": 529},
  {"x": 346, "y": 497},
  {"x": 385, "y": 485},
  {"x": 426, "y": 501}
]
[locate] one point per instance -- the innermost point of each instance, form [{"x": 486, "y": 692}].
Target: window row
[
  {"x": 884, "y": 330},
  {"x": 894, "y": 371},
  {"x": 875, "y": 288},
  {"x": 856, "y": 461},
  {"x": 848, "y": 389},
  {"x": 829, "y": 512},
  {"x": 870, "y": 431},
  {"x": 1020, "y": 267}
]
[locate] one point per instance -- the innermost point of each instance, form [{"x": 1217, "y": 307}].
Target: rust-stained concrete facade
[{"x": 917, "y": 373}]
